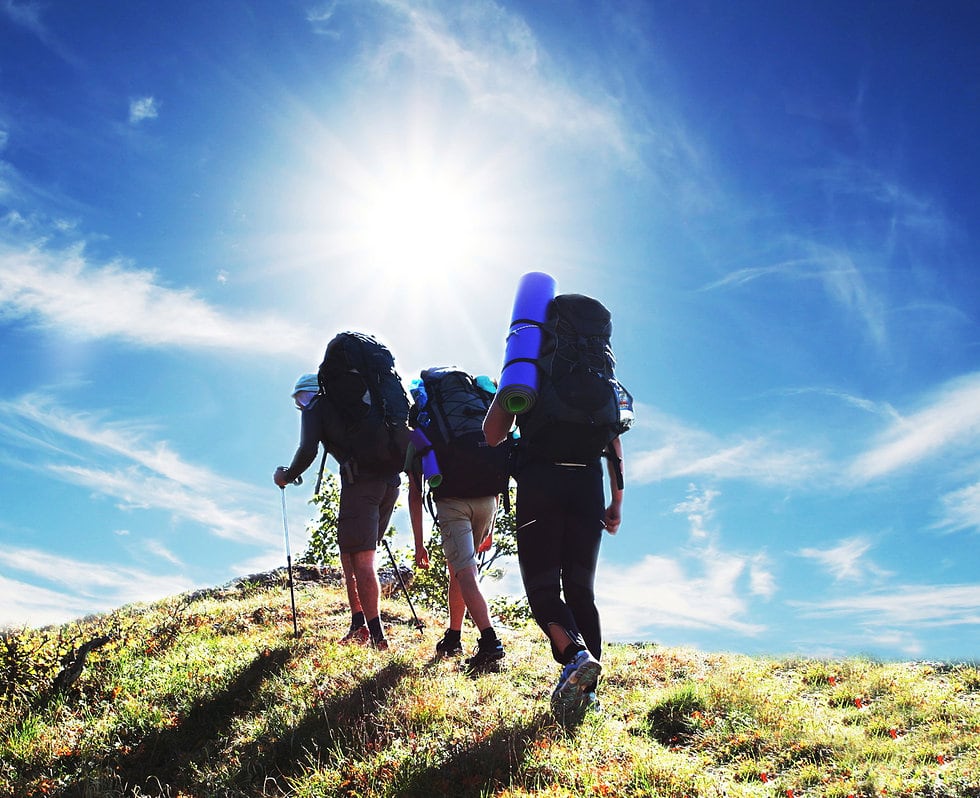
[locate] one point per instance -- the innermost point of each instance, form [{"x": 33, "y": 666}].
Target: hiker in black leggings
[{"x": 561, "y": 513}]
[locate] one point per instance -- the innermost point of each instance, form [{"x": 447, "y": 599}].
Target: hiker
[
  {"x": 449, "y": 409},
  {"x": 561, "y": 511},
  {"x": 369, "y": 487}
]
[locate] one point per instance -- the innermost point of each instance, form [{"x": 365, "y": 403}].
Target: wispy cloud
[
  {"x": 640, "y": 600},
  {"x": 142, "y": 108},
  {"x": 883, "y": 409},
  {"x": 85, "y": 587},
  {"x": 846, "y": 561},
  {"x": 320, "y": 16},
  {"x": 906, "y": 606},
  {"x": 837, "y": 272},
  {"x": 698, "y": 510},
  {"x": 496, "y": 58},
  {"x": 961, "y": 510},
  {"x": 951, "y": 420},
  {"x": 150, "y": 475},
  {"x": 27, "y": 14},
  {"x": 705, "y": 588},
  {"x": 63, "y": 291},
  {"x": 136, "y": 490},
  {"x": 685, "y": 451},
  {"x": 160, "y": 552}
]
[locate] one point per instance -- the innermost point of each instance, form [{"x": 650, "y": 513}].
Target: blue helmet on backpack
[{"x": 308, "y": 382}]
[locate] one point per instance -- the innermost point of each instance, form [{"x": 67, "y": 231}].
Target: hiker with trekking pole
[
  {"x": 357, "y": 408},
  {"x": 570, "y": 410}
]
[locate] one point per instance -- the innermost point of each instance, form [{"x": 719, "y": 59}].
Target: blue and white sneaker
[{"x": 578, "y": 679}]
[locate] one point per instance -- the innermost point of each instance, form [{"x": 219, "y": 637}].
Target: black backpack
[
  {"x": 358, "y": 377},
  {"x": 449, "y": 409},
  {"x": 580, "y": 405}
]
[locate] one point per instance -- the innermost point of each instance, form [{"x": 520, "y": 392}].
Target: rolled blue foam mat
[
  {"x": 430, "y": 466},
  {"x": 518, "y": 386}
]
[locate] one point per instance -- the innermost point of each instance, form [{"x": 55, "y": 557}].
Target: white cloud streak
[
  {"x": 961, "y": 510},
  {"x": 842, "y": 281},
  {"x": 685, "y": 451},
  {"x": 62, "y": 291},
  {"x": 87, "y": 587},
  {"x": 846, "y": 561},
  {"x": 659, "y": 592},
  {"x": 656, "y": 593},
  {"x": 495, "y": 56},
  {"x": 951, "y": 420},
  {"x": 906, "y": 606},
  {"x": 155, "y": 476}
]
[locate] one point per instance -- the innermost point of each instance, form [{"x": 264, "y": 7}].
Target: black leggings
[{"x": 559, "y": 528}]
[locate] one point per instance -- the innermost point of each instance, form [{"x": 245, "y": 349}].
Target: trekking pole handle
[{"x": 297, "y": 481}]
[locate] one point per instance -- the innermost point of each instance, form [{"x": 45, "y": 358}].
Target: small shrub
[{"x": 672, "y": 721}]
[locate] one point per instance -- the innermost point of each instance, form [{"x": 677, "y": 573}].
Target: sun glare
[{"x": 417, "y": 223}]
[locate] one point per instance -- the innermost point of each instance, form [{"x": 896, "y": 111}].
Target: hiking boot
[
  {"x": 578, "y": 679},
  {"x": 449, "y": 646},
  {"x": 486, "y": 658},
  {"x": 356, "y": 635},
  {"x": 380, "y": 643}
]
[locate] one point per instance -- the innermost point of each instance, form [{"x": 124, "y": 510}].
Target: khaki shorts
[
  {"x": 365, "y": 511},
  {"x": 463, "y": 525}
]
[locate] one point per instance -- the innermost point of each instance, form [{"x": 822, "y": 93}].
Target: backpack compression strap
[
  {"x": 526, "y": 323},
  {"x": 611, "y": 455}
]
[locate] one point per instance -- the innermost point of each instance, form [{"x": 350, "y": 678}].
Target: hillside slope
[{"x": 212, "y": 695}]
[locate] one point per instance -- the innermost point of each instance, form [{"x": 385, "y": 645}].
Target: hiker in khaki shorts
[{"x": 448, "y": 411}]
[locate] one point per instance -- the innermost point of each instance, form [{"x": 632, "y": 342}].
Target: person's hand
[
  {"x": 612, "y": 519},
  {"x": 279, "y": 476},
  {"x": 485, "y": 544},
  {"x": 421, "y": 557}
]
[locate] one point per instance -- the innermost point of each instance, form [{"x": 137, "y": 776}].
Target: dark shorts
[{"x": 365, "y": 512}]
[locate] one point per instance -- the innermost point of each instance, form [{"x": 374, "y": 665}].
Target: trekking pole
[
  {"x": 289, "y": 557},
  {"x": 418, "y": 624}
]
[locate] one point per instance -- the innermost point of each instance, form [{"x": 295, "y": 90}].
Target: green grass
[{"x": 215, "y": 697}]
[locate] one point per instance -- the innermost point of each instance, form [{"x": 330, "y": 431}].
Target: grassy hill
[{"x": 212, "y": 695}]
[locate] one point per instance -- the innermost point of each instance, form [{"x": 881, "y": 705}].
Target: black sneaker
[
  {"x": 486, "y": 658},
  {"x": 449, "y": 646}
]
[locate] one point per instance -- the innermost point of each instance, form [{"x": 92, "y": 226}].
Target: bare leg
[
  {"x": 470, "y": 593},
  {"x": 559, "y": 637},
  {"x": 347, "y": 566},
  {"x": 366, "y": 582},
  {"x": 457, "y": 604}
]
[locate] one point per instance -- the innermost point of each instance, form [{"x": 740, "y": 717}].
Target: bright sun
[{"x": 422, "y": 223}]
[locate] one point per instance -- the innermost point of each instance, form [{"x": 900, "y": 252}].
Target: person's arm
[
  {"x": 497, "y": 423},
  {"x": 415, "y": 515},
  {"x": 616, "y": 470},
  {"x": 309, "y": 445}
]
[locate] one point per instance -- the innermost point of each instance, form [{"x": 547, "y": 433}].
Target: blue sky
[{"x": 776, "y": 200}]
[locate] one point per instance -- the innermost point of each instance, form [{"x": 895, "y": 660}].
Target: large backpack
[
  {"x": 358, "y": 377},
  {"x": 449, "y": 409},
  {"x": 580, "y": 405}
]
